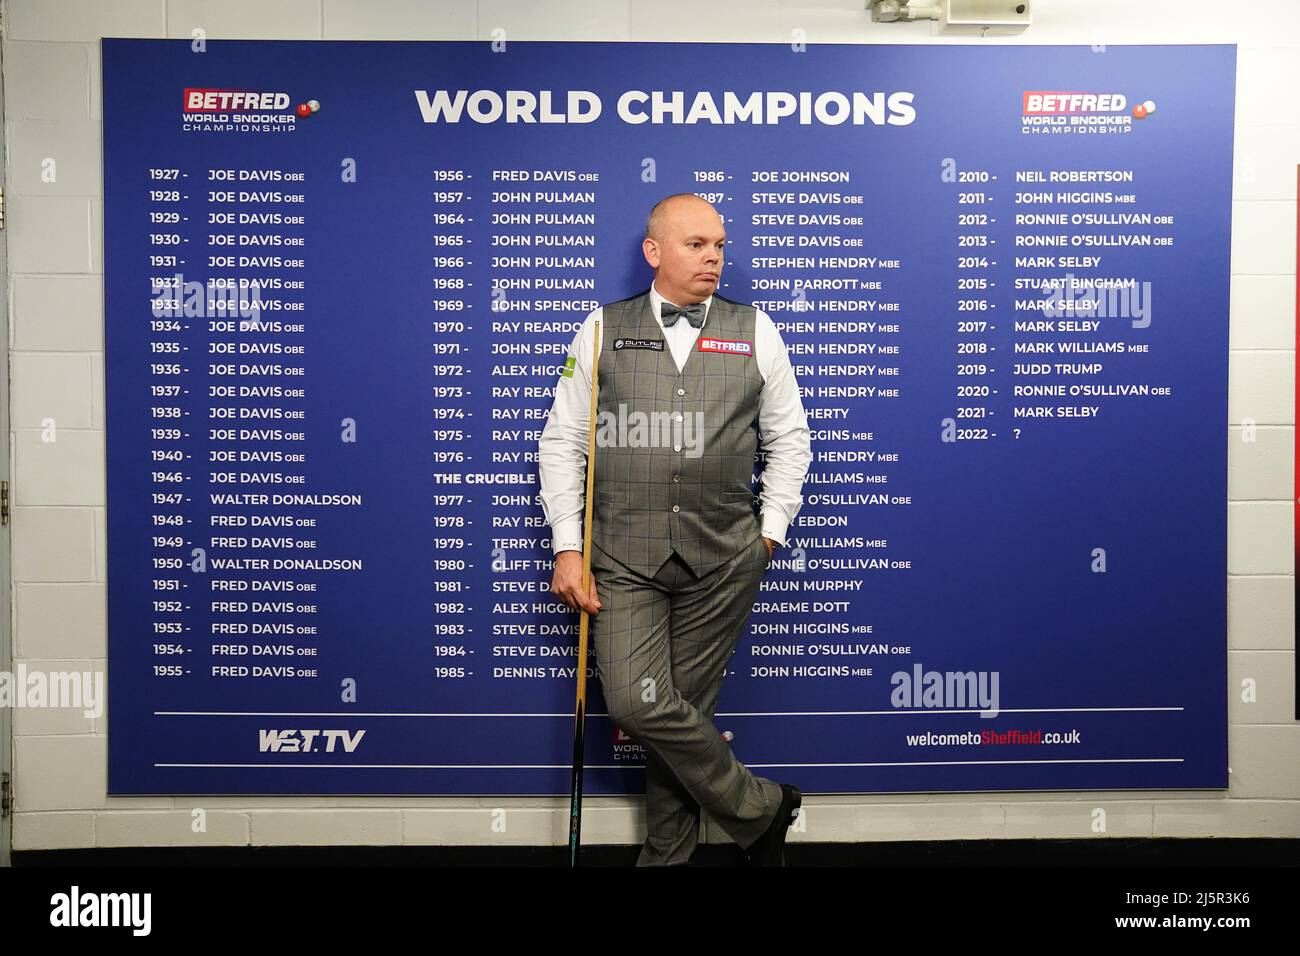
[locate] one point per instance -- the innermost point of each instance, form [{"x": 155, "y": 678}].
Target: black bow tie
[{"x": 671, "y": 313}]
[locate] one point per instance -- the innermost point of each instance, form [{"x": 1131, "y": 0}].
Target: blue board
[{"x": 1001, "y": 274}]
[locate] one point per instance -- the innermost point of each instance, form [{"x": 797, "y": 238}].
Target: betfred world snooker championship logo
[
  {"x": 210, "y": 110},
  {"x": 1076, "y": 111}
]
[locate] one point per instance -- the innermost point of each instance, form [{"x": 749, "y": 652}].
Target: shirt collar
[{"x": 656, "y": 300}]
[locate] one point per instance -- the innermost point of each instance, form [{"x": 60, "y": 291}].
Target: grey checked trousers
[{"x": 662, "y": 646}]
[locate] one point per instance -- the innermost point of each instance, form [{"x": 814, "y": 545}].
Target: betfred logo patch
[{"x": 727, "y": 346}]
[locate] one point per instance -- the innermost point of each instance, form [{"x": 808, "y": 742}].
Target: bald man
[{"x": 688, "y": 382}]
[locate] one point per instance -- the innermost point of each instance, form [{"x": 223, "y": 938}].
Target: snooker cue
[{"x": 580, "y": 706}]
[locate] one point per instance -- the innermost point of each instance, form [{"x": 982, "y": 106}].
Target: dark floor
[{"x": 1101, "y": 852}]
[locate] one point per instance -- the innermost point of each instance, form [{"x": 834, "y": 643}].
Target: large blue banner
[{"x": 341, "y": 280}]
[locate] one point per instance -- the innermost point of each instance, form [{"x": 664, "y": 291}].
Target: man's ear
[{"x": 650, "y": 249}]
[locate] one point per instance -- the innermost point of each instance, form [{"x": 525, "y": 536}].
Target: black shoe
[{"x": 769, "y": 849}]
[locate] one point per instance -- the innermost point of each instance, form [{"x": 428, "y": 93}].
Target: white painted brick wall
[
  {"x": 51, "y": 83},
  {"x": 171, "y": 828}
]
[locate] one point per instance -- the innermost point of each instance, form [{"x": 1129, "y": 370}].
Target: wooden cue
[{"x": 580, "y": 706}]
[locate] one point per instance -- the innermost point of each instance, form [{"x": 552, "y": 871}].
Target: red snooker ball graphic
[
  {"x": 304, "y": 109},
  {"x": 1145, "y": 109}
]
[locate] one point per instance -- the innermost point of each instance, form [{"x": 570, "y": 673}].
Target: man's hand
[
  {"x": 771, "y": 547},
  {"x": 566, "y": 583}
]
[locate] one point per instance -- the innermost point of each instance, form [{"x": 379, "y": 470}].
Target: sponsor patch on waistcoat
[
  {"x": 728, "y": 346},
  {"x": 656, "y": 345}
]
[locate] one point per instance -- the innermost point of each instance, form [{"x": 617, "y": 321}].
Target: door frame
[{"x": 6, "y": 568}]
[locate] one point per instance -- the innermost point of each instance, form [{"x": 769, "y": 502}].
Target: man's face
[{"x": 687, "y": 256}]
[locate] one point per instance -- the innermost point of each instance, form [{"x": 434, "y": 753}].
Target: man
[{"x": 678, "y": 554}]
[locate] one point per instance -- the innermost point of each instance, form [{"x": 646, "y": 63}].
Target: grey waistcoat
[{"x": 664, "y": 484}]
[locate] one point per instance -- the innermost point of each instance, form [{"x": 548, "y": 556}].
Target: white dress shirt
[{"x": 782, "y": 425}]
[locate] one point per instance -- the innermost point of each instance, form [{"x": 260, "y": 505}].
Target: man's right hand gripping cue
[{"x": 566, "y": 583}]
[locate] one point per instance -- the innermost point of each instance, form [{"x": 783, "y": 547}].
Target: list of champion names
[
  {"x": 232, "y": 491},
  {"x": 1048, "y": 325},
  {"x": 825, "y": 272},
  {"x": 542, "y": 267},
  {"x": 1044, "y": 323}
]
